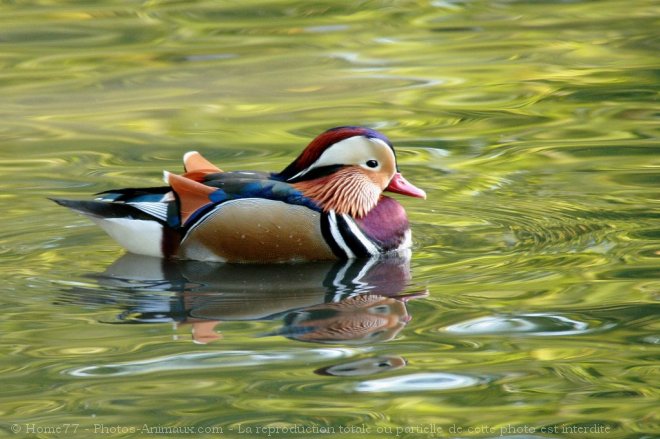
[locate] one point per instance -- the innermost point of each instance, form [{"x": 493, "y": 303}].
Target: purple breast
[{"x": 386, "y": 223}]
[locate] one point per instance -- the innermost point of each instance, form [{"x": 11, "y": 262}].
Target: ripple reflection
[
  {"x": 209, "y": 360},
  {"x": 421, "y": 382},
  {"x": 367, "y": 366},
  {"x": 534, "y": 324}
]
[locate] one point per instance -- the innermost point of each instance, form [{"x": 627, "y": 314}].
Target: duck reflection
[
  {"x": 361, "y": 318},
  {"x": 348, "y": 302}
]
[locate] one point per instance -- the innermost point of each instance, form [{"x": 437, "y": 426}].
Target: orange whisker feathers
[{"x": 347, "y": 191}]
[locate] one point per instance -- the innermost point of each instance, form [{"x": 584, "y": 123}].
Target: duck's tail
[{"x": 139, "y": 227}]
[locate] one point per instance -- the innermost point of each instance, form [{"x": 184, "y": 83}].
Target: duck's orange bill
[{"x": 400, "y": 185}]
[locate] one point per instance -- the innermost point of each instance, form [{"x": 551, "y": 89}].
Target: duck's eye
[{"x": 372, "y": 163}]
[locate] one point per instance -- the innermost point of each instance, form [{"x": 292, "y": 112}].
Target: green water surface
[{"x": 529, "y": 307}]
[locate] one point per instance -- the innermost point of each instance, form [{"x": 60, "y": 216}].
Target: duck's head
[{"x": 346, "y": 169}]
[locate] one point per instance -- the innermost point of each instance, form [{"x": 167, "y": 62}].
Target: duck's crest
[{"x": 322, "y": 142}]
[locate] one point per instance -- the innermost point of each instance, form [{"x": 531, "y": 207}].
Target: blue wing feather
[{"x": 236, "y": 185}]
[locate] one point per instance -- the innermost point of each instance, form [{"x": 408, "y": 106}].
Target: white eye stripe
[
  {"x": 381, "y": 141},
  {"x": 356, "y": 150}
]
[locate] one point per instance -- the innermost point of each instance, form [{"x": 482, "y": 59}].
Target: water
[{"x": 529, "y": 308}]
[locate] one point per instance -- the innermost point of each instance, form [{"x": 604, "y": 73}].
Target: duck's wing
[
  {"x": 195, "y": 198},
  {"x": 136, "y": 203}
]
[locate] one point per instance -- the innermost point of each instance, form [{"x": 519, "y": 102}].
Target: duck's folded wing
[
  {"x": 195, "y": 198},
  {"x": 157, "y": 202}
]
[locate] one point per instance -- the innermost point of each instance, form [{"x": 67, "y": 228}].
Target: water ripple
[
  {"x": 533, "y": 324},
  {"x": 422, "y": 382},
  {"x": 532, "y": 127},
  {"x": 366, "y": 366},
  {"x": 210, "y": 360}
]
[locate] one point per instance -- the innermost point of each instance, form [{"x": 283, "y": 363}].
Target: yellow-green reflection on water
[{"x": 533, "y": 127}]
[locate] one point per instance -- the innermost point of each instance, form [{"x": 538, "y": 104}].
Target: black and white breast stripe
[{"x": 345, "y": 237}]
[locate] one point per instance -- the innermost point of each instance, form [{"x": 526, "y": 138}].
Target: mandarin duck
[{"x": 327, "y": 204}]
